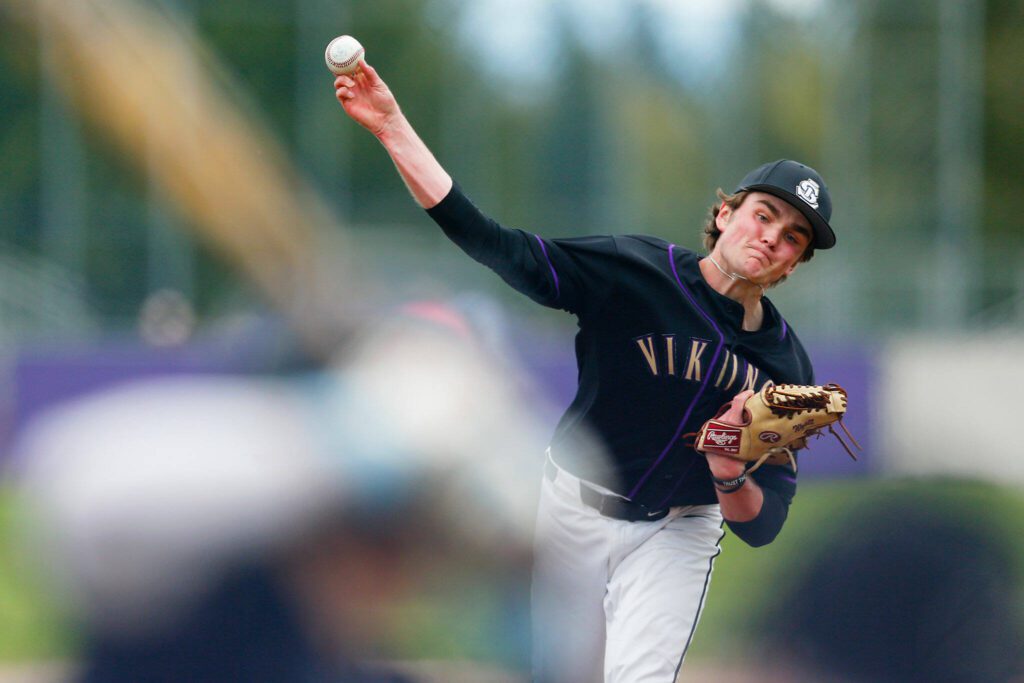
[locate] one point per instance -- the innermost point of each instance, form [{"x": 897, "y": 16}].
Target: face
[{"x": 763, "y": 239}]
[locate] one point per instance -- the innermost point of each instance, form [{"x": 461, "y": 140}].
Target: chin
[{"x": 754, "y": 270}]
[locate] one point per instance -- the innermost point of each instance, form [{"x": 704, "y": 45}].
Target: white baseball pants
[{"x": 616, "y": 601}]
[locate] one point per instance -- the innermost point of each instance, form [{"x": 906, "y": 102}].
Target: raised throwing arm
[{"x": 367, "y": 99}]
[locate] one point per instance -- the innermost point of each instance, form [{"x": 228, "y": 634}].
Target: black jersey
[{"x": 658, "y": 352}]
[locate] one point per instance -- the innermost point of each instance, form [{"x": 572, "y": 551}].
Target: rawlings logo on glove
[
  {"x": 776, "y": 421},
  {"x": 725, "y": 438}
]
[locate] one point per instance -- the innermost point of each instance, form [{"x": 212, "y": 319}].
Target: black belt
[{"x": 609, "y": 505}]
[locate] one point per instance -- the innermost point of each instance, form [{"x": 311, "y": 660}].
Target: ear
[{"x": 724, "y": 214}]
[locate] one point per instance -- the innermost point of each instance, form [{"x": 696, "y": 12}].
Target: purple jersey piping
[
  {"x": 787, "y": 477},
  {"x": 784, "y": 328},
  {"x": 704, "y": 384},
  {"x": 554, "y": 275}
]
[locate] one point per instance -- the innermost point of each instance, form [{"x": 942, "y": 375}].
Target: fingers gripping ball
[
  {"x": 776, "y": 421},
  {"x": 343, "y": 55}
]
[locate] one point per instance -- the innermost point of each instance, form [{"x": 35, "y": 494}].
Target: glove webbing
[{"x": 815, "y": 432}]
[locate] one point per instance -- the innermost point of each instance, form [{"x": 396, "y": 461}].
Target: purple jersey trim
[
  {"x": 784, "y": 329},
  {"x": 703, "y": 386},
  {"x": 554, "y": 275}
]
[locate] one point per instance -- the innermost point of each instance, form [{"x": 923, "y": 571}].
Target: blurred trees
[
  {"x": 609, "y": 143},
  {"x": 1004, "y": 124},
  {"x": 19, "y": 136}
]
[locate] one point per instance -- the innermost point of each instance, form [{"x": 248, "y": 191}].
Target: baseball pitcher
[{"x": 667, "y": 337}]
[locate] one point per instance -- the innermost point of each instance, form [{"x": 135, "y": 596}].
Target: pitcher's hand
[
  {"x": 367, "y": 99},
  {"x": 723, "y": 466}
]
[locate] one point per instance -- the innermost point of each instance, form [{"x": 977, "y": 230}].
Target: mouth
[{"x": 761, "y": 256}]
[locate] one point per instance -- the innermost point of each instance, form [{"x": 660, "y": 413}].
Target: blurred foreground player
[
  {"x": 923, "y": 600},
  {"x": 624, "y": 552},
  {"x": 220, "y": 529}
]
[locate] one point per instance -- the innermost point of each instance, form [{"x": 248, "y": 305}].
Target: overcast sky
[{"x": 516, "y": 38}]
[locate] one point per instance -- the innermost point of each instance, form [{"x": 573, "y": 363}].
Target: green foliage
[
  {"x": 33, "y": 627},
  {"x": 19, "y": 135},
  {"x": 1004, "y": 101}
]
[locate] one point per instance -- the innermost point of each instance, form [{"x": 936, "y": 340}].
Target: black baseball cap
[{"x": 802, "y": 187}]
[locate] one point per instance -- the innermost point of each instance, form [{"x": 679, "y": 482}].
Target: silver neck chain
[{"x": 733, "y": 276}]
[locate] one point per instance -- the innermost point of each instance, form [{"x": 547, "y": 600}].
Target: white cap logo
[{"x": 808, "y": 191}]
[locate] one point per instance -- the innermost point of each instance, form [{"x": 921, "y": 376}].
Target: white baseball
[{"x": 343, "y": 55}]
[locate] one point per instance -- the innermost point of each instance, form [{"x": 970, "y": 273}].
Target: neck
[
  {"x": 729, "y": 282},
  {"x": 736, "y": 287}
]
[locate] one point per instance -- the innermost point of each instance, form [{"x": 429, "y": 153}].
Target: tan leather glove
[{"x": 777, "y": 421}]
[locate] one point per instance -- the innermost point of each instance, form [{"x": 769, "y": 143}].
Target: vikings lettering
[
  {"x": 750, "y": 381},
  {"x": 646, "y": 345},
  {"x": 659, "y": 354},
  {"x": 693, "y": 367}
]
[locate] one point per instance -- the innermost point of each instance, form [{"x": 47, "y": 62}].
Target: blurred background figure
[
  {"x": 242, "y": 529},
  {"x": 902, "y": 590}
]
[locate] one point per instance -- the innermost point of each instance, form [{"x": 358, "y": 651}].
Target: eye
[
  {"x": 762, "y": 217},
  {"x": 791, "y": 238}
]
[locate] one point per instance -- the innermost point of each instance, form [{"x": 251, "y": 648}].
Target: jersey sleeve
[
  {"x": 570, "y": 274},
  {"x": 778, "y": 486}
]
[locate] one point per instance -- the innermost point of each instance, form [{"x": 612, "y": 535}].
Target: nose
[{"x": 770, "y": 235}]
